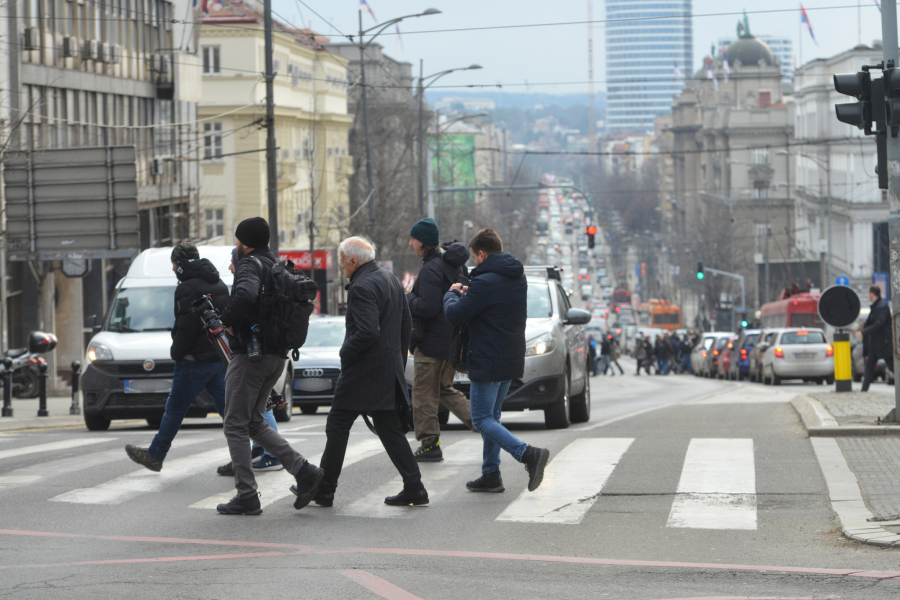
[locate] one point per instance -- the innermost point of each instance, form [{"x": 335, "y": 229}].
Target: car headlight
[
  {"x": 97, "y": 351},
  {"x": 542, "y": 344}
]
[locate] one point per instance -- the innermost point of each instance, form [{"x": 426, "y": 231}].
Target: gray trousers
[{"x": 247, "y": 387}]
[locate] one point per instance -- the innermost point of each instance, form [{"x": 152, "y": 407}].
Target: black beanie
[{"x": 253, "y": 232}]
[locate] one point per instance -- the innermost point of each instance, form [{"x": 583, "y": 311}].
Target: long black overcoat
[{"x": 877, "y": 336}]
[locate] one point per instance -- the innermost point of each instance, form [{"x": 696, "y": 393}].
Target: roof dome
[{"x": 749, "y": 51}]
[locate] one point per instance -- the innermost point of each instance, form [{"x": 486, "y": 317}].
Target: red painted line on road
[
  {"x": 122, "y": 561},
  {"x": 382, "y": 587}
]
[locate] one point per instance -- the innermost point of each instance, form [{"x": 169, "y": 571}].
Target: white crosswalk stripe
[
  {"x": 34, "y": 473},
  {"x": 717, "y": 489},
  {"x": 572, "y": 482},
  {"x": 274, "y": 486},
  {"x": 52, "y": 446},
  {"x": 439, "y": 479}
]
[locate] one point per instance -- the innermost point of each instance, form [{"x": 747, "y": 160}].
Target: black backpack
[{"x": 287, "y": 295}]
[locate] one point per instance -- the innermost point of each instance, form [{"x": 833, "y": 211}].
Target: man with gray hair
[{"x": 372, "y": 379}]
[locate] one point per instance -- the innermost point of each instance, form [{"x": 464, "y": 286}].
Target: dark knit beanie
[
  {"x": 426, "y": 231},
  {"x": 183, "y": 252},
  {"x": 253, "y": 233}
]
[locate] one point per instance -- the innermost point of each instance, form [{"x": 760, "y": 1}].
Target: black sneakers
[
  {"x": 407, "y": 497},
  {"x": 241, "y": 506},
  {"x": 325, "y": 499},
  {"x": 430, "y": 453},
  {"x": 307, "y": 481},
  {"x": 488, "y": 482},
  {"x": 226, "y": 470},
  {"x": 142, "y": 457},
  {"x": 535, "y": 459}
]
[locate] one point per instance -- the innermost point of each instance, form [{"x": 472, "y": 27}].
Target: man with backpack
[
  {"x": 257, "y": 364},
  {"x": 433, "y": 380}
]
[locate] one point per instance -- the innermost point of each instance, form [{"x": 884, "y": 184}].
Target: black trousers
[
  {"x": 387, "y": 425},
  {"x": 871, "y": 361}
]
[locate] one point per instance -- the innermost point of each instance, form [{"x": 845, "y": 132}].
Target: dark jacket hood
[
  {"x": 198, "y": 269},
  {"x": 455, "y": 254},
  {"x": 501, "y": 263}
]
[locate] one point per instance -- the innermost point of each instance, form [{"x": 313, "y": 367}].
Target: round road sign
[{"x": 839, "y": 306}]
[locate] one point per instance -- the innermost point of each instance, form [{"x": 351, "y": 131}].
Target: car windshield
[
  {"x": 539, "y": 306},
  {"x": 143, "y": 309},
  {"x": 751, "y": 339},
  {"x": 325, "y": 333},
  {"x": 802, "y": 337}
]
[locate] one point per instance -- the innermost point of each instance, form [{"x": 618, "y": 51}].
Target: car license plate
[
  {"x": 805, "y": 355},
  {"x": 461, "y": 378},
  {"x": 148, "y": 386},
  {"x": 313, "y": 384}
]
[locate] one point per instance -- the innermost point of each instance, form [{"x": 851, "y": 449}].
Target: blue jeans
[
  {"x": 664, "y": 365},
  {"x": 686, "y": 364},
  {"x": 605, "y": 364},
  {"x": 487, "y": 400},
  {"x": 190, "y": 379}
]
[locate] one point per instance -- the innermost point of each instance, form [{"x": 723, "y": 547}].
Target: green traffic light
[
  {"x": 744, "y": 323},
  {"x": 699, "y": 275}
]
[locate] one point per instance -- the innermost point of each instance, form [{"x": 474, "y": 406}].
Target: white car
[{"x": 798, "y": 354}]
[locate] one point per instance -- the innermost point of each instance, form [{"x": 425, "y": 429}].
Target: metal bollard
[
  {"x": 42, "y": 391},
  {"x": 7, "y": 388},
  {"x": 75, "y": 409},
  {"x": 843, "y": 368}
]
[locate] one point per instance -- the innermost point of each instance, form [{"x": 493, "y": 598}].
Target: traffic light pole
[{"x": 890, "y": 49}]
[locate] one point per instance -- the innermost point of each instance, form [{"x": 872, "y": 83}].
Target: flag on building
[
  {"x": 678, "y": 70},
  {"x": 399, "y": 39},
  {"x": 710, "y": 74},
  {"x": 364, "y": 6},
  {"x": 804, "y": 19},
  {"x": 878, "y": 4},
  {"x": 725, "y": 63}
]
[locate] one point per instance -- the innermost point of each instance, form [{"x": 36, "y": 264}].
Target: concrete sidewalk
[
  {"x": 25, "y": 415},
  {"x": 859, "y": 459}
]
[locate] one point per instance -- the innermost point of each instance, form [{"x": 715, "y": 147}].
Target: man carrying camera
[
  {"x": 251, "y": 375},
  {"x": 494, "y": 308},
  {"x": 197, "y": 365},
  {"x": 434, "y": 374}
]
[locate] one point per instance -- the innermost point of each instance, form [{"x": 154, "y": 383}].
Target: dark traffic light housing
[
  {"x": 858, "y": 85},
  {"x": 700, "y": 270},
  {"x": 591, "y": 231},
  {"x": 878, "y": 102}
]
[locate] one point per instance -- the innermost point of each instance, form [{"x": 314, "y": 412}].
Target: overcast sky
[{"x": 555, "y": 54}]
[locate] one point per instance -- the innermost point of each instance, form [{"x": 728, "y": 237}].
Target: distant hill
[{"x": 524, "y": 100}]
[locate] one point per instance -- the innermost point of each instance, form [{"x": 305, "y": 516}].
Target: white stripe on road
[
  {"x": 572, "y": 482},
  {"x": 49, "y": 447},
  {"x": 275, "y": 485},
  {"x": 717, "y": 489},
  {"x": 438, "y": 478},
  {"x": 136, "y": 483}
]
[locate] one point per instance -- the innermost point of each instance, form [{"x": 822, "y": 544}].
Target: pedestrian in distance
[
  {"x": 592, "y": 350},
  {"x": 197, "y": 365},
  {"x": 604, "y": 356},
  {"x": 878, "y": 339},
  {"x": 249, "y": 382},
  {"x": 493, "y": 307},
  {"x": 430, "y": 342},
  {"x": 372, "y": 379},
  {"x": 614, "y": 354}
]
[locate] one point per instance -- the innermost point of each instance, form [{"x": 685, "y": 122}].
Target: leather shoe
[
  {"x": 408, "y": 497},
  {"x": 307, "y": 481}
]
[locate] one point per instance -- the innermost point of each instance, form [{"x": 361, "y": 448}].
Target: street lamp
[
  {"x": 434, "y": 77},
  {"x": 362, "y": 70},
  {"x": 826, "y": 164}
]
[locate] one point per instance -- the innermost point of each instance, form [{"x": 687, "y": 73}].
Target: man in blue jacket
[{"x": 494, "y": 308}]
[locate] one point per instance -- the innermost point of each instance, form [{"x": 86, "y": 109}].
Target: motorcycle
[{"x": 26, "y": 374}]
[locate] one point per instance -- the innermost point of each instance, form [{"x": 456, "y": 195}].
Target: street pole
[
  {"x": 766, "y": 250},
  {"x": 421, "y": 142},
  {"x": 889, "y": 41},
  {"x": 825, "y": 283},
  {"x": 362, "y": 75},
  {"x": 271, "y": 157}
]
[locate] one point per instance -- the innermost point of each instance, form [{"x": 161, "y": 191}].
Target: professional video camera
[{"x": 209, "y": 317}]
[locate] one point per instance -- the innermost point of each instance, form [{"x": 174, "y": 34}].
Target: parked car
[
  {"x": 739, "y": 365},
  {"x": 317, "y": 369},
  {"x": 799, "y": 354},
  {"x": 711, "y": 365},
  {"x": 766, "y": 338},
  {"x": 698, "y": 354},
  {"x": 859, "y": 365},
  {"x": 127, "y": 371}
]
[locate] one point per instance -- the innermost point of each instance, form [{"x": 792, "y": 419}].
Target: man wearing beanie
[
  {"x": 197, "y": 365},
  {"x": 433, "y": 382},
  {"x": 247, "y": 384}
]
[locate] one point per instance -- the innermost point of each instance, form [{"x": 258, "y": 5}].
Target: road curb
[{"x": 819, "y": 422}]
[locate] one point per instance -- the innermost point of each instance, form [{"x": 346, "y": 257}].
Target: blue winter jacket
[{"x": 495, "y": 308}]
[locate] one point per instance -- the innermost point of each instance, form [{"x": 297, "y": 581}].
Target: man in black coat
[
  {"x": 372, "y": 379},
  {"x": 197, "y": 365},
  {"x": 877, "y": 337},
  {"x": 433, "y": 381},
  {"x": 494, "y": 308}
]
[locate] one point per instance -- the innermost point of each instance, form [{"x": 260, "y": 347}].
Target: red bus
[
  {"x": 792, "y": 310},
  {"x": 621, "y": 296}
]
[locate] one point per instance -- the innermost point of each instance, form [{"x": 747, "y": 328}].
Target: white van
[{"x": 127, "y": 371}]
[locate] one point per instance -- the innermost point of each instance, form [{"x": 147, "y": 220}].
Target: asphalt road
[{"x": 677, "y": 488}]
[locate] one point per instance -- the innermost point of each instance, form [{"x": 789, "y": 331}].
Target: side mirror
[
  {"x": 92, "y": 323},
  {"x": 577, "y": 316}
]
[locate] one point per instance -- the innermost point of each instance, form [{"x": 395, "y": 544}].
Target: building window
[
  {"x": 760, "y": 156},
  {"x": 212, "y": 141},
  {"x": 210, "y": 60},
  {"x": 214, "y": 220}
]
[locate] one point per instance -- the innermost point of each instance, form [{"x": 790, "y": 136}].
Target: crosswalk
[{"x": 716, "y": 486}]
